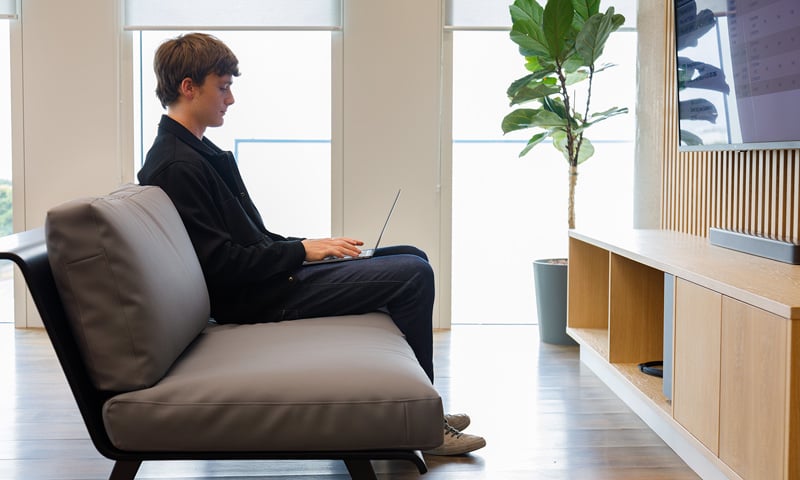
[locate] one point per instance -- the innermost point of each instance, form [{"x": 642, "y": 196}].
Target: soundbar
[{"x": 782, "y": 251}]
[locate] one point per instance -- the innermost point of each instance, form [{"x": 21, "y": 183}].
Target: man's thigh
[{"x": 356, "y": 286}]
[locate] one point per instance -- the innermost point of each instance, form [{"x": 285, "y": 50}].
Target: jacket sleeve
[{"x": 232, "y": 250}]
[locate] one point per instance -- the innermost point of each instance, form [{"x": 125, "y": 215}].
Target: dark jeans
[{"x": 397, "y": 280}]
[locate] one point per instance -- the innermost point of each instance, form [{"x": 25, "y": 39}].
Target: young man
[{"x": 254, "y": 275}]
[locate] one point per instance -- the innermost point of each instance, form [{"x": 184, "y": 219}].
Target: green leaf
[
  {"x": 526, "y": 11},
  {"x": 530, "y": 81},
  {"x": 605, "y": 66},
  {"x": 586, "y": 8},
  {"x": 518, "y": 84},
  {"x": 535, "y": 140},
  {"x": 557, "y": 25},
  {"x": 611, "y": 112},
  {"x": 533, "y": 91},
  {"x": 573, "y": 63},
  {"x": 560, "y": 142},
  {"x": 526, "y": 29},
  {"x": 592, "y": 39},
  {"x": 555, "y": 105},
  {"x": 587, "y": 150},
  {"x": 531, "y": 42},
  {"x": 532, "y": 64},
  {"x": 577, "y": 77},
  {"x": 600, "y": 116},
  {"x": 523, "y": 118},
  {"x": 617, "y": 19}
]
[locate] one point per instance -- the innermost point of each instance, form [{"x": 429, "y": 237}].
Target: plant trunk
[{"x": 573, "y": 180}]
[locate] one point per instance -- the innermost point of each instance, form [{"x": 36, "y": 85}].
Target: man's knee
[
  {"x": 417, "y": 265},
  {"x": 423, "y": 275}
]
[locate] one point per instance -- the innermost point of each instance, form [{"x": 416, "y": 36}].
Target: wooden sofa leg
[
  {"x": 125, "y": 470},
  {"x": 360, "y": 469}
]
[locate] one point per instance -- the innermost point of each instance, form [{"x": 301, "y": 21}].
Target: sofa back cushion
[{"x": 130, "y": 282}]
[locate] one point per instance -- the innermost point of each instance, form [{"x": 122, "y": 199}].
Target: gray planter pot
[{"x": 550, "y": 278}]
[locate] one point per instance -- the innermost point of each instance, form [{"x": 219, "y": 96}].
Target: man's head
[{"x": 194, "y": 56}]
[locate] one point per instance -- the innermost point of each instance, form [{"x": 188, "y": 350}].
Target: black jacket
[{"x": 248, "y": 269}]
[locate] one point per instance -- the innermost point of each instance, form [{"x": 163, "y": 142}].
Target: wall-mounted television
[{"x": 738, "y": 64}]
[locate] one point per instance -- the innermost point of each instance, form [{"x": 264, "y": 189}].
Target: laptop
[{"x": 366, "y": 253}]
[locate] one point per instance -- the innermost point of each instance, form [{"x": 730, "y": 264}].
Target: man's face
[{"x": 213, "y": 99}]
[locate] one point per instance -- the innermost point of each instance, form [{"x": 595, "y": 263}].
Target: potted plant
[{"x": 561, "y": 43}]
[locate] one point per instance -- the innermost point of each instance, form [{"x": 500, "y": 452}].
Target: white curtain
[
  {"x": 493, "y": 14},
  {"x": 232, "y": 14},
  {"x": 477, "y": 14},
  {"x": 8, "y": 8}
]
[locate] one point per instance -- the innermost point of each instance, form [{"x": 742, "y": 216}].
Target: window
[
  {"x": 6, "y": 227},
  {"x": 513, "y": 210},
  {"x": 279, "y": 128}
]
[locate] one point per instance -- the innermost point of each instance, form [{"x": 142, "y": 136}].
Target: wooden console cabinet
[{"x": 735, "y": 341}]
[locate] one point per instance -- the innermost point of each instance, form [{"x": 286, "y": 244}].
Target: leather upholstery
[
  {"x": 130, "y": 282},
  {"x": 332, "y": 383}
]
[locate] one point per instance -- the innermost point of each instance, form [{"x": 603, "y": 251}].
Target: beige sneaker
[
  {"x": 459, "y": 421},
  {"x": 457, "y": 443}
]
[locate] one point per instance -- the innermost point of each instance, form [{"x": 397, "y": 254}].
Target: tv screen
[{"x": 738, "y": 64}]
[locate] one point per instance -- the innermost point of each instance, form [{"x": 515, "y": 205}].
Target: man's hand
[{"x": 331, "y": 247}]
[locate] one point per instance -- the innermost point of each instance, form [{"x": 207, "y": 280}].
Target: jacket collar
[{"x": 204, "y": 147}]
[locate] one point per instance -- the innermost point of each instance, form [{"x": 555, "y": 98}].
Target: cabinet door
[
  {"x": 753, "y": 402},
  {"x": 696, "y": 383}
]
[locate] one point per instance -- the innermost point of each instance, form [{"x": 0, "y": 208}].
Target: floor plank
[{"x": 544, "y": 416}]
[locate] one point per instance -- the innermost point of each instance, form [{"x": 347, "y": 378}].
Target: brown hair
[{"x": 193, "y": 55}]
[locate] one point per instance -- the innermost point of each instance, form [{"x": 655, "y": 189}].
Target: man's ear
[{"x": 187, "y": 88}]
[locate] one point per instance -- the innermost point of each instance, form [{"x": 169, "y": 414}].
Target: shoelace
[{"x": 448, "y": 430}]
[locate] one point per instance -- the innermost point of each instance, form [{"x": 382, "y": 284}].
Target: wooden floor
[{"x": 543, "y": 414}]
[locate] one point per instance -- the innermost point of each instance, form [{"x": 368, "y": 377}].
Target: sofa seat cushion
[{"x": 335, "y": 383}]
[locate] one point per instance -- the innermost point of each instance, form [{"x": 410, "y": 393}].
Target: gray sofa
[{"x": 157, "y": 380}]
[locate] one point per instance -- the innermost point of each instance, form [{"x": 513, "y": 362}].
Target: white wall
[
  {"x": 72, "y": 117},
  {"x": 68, "y": 108},
  {"x": 390, "y": 125}
]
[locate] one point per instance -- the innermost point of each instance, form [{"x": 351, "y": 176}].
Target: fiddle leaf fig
[{"x": 561, "y": 43}]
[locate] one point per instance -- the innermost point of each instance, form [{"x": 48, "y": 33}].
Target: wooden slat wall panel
[{"x": 754, "y": 191}]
